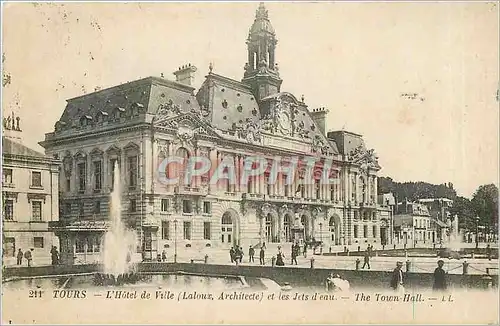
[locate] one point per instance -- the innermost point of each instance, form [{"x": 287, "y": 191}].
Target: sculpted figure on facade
[{"x": 168, "y": 108}]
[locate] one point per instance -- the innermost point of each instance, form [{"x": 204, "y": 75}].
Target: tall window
[
  {"x": 67, "y": 209},
  {"x": 80, "y": 209},
  {"x": 36, "y": 210},
  {"x": 165, "y": 230},
  {"x": 268, "y": 184},
  {"x": 365, "y": 231},
  {"x": 113, "y": 163},
  {"x": 36, "y": 179},
  {"x": 374, "y": 231},
  {"x": 317, "y": 186},
  {"x": 9, "y": 246},
  {"x": 187, "y": 207},
  {"x": 286, "y": 186},
  {"x": 8, "y": 210},
  {"x": 79, "y": 244},
  {"x": 187, "y": 230},
  {"x": 332, "y": 192},
  {"x": 7, "y": 176},
  {"x": 249, "y": 185},
  {"x": 356, "y": 231},
  {"x": 207, "y": 207},
  {"x": 164, "y": 205},
  {"x": 97, "y": 207},
  {"x": 207, "y": 228},
  {"x": 133, "y": 205},
  {"x": 82, "y": 176},
  {"x": 38, "y": 242},
  {"x": 132, "y": 172},
  {"x": 97, "y": 175},
  {"x": 68, "y": 183}
]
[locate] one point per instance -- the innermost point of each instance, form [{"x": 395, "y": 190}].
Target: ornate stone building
[
  {"x": 30, "y": 197},
  {"x": 140, "y": 123}
]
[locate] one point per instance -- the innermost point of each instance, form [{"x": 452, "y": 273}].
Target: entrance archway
[
  {"x": 287, "y": 224},
  {"x": 271, "y": 228},
  {"x": 305, "y": 220},
  {"x": 334, "y": 228},
  {"x": 229, "y": 229}
]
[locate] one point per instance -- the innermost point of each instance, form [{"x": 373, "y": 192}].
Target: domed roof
[{"x": 261, "y": 22}]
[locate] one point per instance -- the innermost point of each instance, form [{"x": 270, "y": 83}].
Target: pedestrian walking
[
  {"x": 251, "y": 253},
  {"x": 261, "y": 255},
  {"x": 19, "y": 257},
  {"x": 439, "y": 277},
  {"x": 294, "y": 254},
  {"x": 232, "y": 254},
  {"x": 280, "y": 258},
  {"x": 398, "y": 277},
  {"x": 304, "y": 250},
  {"x": 163, "y": 256},
  {"x": 29, "y": 257},
  {"x": 366, "y": 260}
]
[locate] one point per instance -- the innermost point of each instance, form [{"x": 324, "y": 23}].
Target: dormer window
[
  {"x": 60, "y": 125},
  {"x": 85, "y": 120},
  {"x": 119, "y": 112},
  {"x": 101, "y": 116}
]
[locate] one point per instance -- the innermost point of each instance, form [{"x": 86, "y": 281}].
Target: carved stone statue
[{"x": 17, "y": 124}]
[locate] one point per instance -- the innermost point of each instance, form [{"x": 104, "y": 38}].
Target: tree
[
  {"x": 463, "y": 208},
  {"x": 485, "y": 204}
]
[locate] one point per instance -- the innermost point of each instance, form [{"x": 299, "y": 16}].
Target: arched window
[
  {"x": 269, "y": 228},
  {"x": 179, "y": 169},
  {"x": 288, "y": 228},
  {"x": 226, "y": 228}
]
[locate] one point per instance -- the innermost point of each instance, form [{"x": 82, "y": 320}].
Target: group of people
[
  {"x": 28, "y": 255},
  {"x": 399, "y": 277},
  {"x": 368, "y": 255},
  {"x": 335, "y": 282},
  {"x": 236, "y": 254}
]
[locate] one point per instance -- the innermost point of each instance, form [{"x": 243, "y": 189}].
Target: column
[
  {"x": 368, "y": 188},
  {"x": 170, "y": 169},
  {"x": 375, "y": 186}
]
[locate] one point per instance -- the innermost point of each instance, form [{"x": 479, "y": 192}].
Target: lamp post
[
  {"x": 175, "y": 241},
  {"x": 477, "y": 232}
]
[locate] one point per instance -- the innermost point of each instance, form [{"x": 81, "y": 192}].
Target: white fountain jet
[
  {"x": 455, "y": 239},
  {"x": 119, "y": 243}
]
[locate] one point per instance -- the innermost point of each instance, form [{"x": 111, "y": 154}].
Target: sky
[{"x": 355, "y": 59}]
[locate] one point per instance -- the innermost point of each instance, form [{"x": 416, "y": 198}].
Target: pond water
[{"x": 170, "y": 281}]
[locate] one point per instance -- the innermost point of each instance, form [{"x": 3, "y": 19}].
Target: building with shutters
[
  {"x": 30, "y": 197},
  {"x": 141, "y": 123}
]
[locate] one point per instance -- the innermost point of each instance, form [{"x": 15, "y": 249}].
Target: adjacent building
[
  {"x": 138, "y": 124},
  {"x": 412, "y": 224},
  {"x": 439, "y": 208},
  {"x": 30, "y": 197}
]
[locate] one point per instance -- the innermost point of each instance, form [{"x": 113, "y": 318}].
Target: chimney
[
  {"x": 185, "y": 74},
  {"x": 319, "y": 117}
]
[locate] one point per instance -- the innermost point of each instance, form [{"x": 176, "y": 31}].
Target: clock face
[{"x": 284, "y": 120}]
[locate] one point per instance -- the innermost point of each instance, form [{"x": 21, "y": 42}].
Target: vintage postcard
[{"x": 250, "y": 163}]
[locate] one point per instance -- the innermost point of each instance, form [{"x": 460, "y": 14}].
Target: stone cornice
[{"x": 90, "y": 135}]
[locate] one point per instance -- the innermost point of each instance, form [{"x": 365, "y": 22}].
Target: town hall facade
[{"x": 139, "y": 124}]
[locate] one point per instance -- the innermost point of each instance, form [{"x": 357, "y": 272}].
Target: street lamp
[
  {"x": 175, "y": 241},
  {"x": 477, "y": 232}
]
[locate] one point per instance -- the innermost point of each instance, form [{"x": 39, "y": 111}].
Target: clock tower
[{"x": 261, "y": 70}]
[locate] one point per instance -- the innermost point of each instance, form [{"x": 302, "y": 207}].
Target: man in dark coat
[
  {"x": 232, "y": 254},
  {"x": 366, "y": 260},
  {"x": 398, "y": 277},
  {"x": 262, "y": 255},
  {"x": 439, "y": 277},
  {"x": 251, "y": 252},
  {"x": 20, "y": 257},
  {"x": 294, "y": 254}
]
